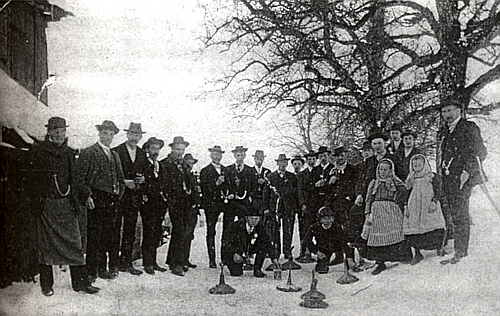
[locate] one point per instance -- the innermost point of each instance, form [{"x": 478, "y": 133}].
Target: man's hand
[
  {"x": 130, "y": 184},
  {"x": 359, "y": 200},
  {"x": 261, "y": 181},
  {"x": 237, "y": 258},
  {"x": 90, "y": 203},
  {"x": 219, "y": 181},
  {"x": 321, "y": 255},
  {"x": 140, "y": 179},
  {"x": 267, "y": 212},
  {"x": 464, "y": 177}
]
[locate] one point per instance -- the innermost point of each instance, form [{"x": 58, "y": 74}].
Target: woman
[
  {"x": 386, "y": 239},
  {"x": 423, "y": 222}
]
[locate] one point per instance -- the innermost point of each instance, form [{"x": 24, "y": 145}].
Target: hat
[
  {"x": 152, "y": 141},
  {"x": 325, "y": 211},
  {"x": 252, "y": 211},
  {"x": 239, "y": 149},
  {"x": 311, "y": 153},
  {"x": 216, "y": 149},
  {"x": 189, "y": 157},
  {"x": 452, "y": 101},
  {"x": 259, "y": 153},
  {"x": 178, "y": 140},
  {"x": 396, "y": 127},
  {"x": 282, "y": 157},
  {"x": 338, "y": 151},
  {"x": 56, "y": 122},
  {"x": 297, "y": 157},
  {"x": 323, "y": 149},
  {"x": 378, "y": 135},
  {"x": 409, "y": 133},
  {"x": 135, "y": 128},
  {"x": 367, "y": 145},
  {"x": 108, "y": 125}
]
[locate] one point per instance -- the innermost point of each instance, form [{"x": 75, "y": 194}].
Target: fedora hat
[
  {"x": 323, "y": 149},
  {"x": 338, "y": 151},
  {"x": 108, "y": 125},
  {"x": 396, "y": 127},
  {"x": 152, "y": 141},
  {"x": 311, "y": 153},
  {"x": 56, "y": 122},
  {"x": 135, "y": 128},
  {"x": 282, "y": 157},
  {"x": 452, "y": 100},
  {"x": 179, "y": 140},
  {"x": 409, "y": 133},
  {"x": 259, "y": 154},
  {"x": 189, "y": 157},
  {"x": 216, "y": 149},
  {"x": 297, "y": 157},
  {"x": 378, "y": 135},
  {"x": 239, "y": 149}
]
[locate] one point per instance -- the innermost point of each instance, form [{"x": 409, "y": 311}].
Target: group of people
[{"x": 386, "y": 205}]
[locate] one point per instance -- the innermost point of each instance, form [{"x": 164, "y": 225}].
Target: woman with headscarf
[
  {"x": 424, "y": 223},
  {"x": 386, "y": 240}
]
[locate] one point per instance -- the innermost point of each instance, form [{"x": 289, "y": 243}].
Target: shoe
[
  {"x": 185, "y": 268},
  {"x": 105, "y": 275},
  {"x": 134, "y": 271},
  {"x": 191, "y": 265},
  {"x": 381, "y": 267},
  {"x": 89, "y": 289},
  {"x": 114, "y": 271},
  {"x": 158, "y": 268},
  {"x": 454, "y": 260},
  {"x": 212, "y": 265},
  {"x": 149, "y": 270},
  {"x": 258, "y": 274},
  {"x": 177, "y": 270},
  {"x": 48, "y": 292}
]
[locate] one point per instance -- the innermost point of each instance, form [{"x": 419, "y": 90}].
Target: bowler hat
[
  {"x": 297, "y": 157},
  {"x": 396, "y": 127},
  {"x": 108, "y": 125},
  {"x": 56, "y": 122},
  {"x": 378, "y": 135},
  {"x": 282, "y": 157},
  {"x": 409, "y": 133},
  {"x": 338, "y": 151},
  {"x": 216, "y": 149},
  {"x": 367, "y": 145},
  {"x": 178, "y": 140},
  {"x": 259, "y": 154},
  {"x": 152, "y": 141},
  {"x": 452, "y": 100},
  {"x": 325, "y": 211},
  {"x": 311, "y": 153},
  {"x": 135, "y": 128},
  {"x": 239, "y": 149},
  {"x": 323, "y": 149},
  {"x": 252, "y": 211},
  {"x": 189, "y": 157}
]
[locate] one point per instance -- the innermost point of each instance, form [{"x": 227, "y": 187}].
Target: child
[
  {"x": 325, "y": 238},
  {"x": 423, "y": 222},
  {"x": 386, "y": 240}
]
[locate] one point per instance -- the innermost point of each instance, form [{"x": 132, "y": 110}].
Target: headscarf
[
  {"x": 425, "y": 173},
  {"x": 391, "y": 181}
]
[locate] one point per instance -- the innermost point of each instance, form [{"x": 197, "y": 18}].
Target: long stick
[{"x": 484, "y": 188}]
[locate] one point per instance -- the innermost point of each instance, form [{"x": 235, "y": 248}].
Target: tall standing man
[
  {"x": 396, "y": 143},
  {"x": 260, "y": 173},
  {"x": 192, "y": 216},
  {"x": 214, "y": 197},
  {"x": 134, "y": 164},
  {"x": 53, "y": 193},
  {"x": 99, "y": 168},
  {"x": 179, "y": 190},
  {"x": 462, "y": 151},
  {"x": 322, "y": 174}
]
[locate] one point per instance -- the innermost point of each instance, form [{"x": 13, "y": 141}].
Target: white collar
[
  {"x": 453, "y": 124},
  {"x": 106, "y": 148},
  {"x": 249, "y": 228},
  {"x": 259, "y": 170}
]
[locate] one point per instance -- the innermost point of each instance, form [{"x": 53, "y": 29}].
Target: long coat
[
  {"x": 52, "y": 185},
  {"x": 211, "y": 192},
  {"x": 286, "y": 186}
]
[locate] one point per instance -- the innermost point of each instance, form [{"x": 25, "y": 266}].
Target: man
[
  {"x": 179, "y": 190},
  {"x": 308, "y": 203},
  {"x": 409, "y": 150},
  {"x": 367, "y": 150},
  {"x": 280, "y": 202},
  {"x": 154, "y": 199},
  {"x": 462, "y": 151},
  {"x": 192, "y": 216},
  {"x": 134, "y": 164},
  {"x": 341, "y": 194},
  {"x": 99, "y": 169},
  {"x": 260, "y": 173},
  {"x": 321, "y": 176},
  {"x": 247, "y": 236},
  {"x": 53, "y": 195},
  {"x": 396, "y": 144},
  {"x": 297, "y": 163},
  {"x": 214, "y": 197}
]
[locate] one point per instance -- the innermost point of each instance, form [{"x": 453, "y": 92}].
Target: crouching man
[
  {"x": 325, "y": 238},
  {"x": 246, "y": 237}
]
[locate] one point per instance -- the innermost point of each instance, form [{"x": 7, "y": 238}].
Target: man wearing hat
[
  {"x": 366, "y": 150},
  {"x": 154, "y": 199},
  {"x": 280, "y": 203},
  {"x": 214, "y": 199},
  {"x": 260, "y": 173},
  {"x": 462, "y": 152},
  {"x": 192, "y": 216},
  {"x": 247, "y": 237},
  {"x": 99, "y": 168},
  {"x": 308, "y": 202},
  {"x": 321, "y": 176},
  {"x": 52, "y": 189},
  {"x": 409, "y": 150},
  {"x": 134, "y": 164},
  {"x": 297, "y": 163},
  {"x": 396, "y": 143},
  {"x": 179, "y": 189}
]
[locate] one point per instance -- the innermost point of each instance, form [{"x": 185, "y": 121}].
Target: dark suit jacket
[
  {"x": 321, "y": 173},
  {"x": 259, "y": 188},
  {"x": 344, "y": 188},
  {"x": 306, "y": 190},
  {"x": 131, "y": 169},
  {"x": 405, "y": 161},
  {"x": 211, "y": 192},
  {"x": 287, "y": 189},
  {"x": 90, "y": 171},
  {"x": 239, "y": 241},
  {"x": 155, "y": 186},
  {"x": 463, "y": 145},
  {"x": 179, "y": 184},
  {"x": 240, "y": 183}
]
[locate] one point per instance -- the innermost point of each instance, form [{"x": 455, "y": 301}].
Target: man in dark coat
[
  {"x": 52, "y": 190},
  {"x": 246, "y": 237},
  {"x": 214, "y": 197},
  {"x": 179, "y": 189},
  {"x": 134, "y": 164},
  {"x": 409, "y": 150},
  {"x": 462, "y": 151},
  {"x": 260, "y": 173},
  {"x": 99, "y": 168},
  {"x": 154, "y": 205},
  {"x": 280, "y": 203},
  {"x": 396, "y": 144},
  {"x": 192, "y": 216},
  {"x": 321, "y": 175}
]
